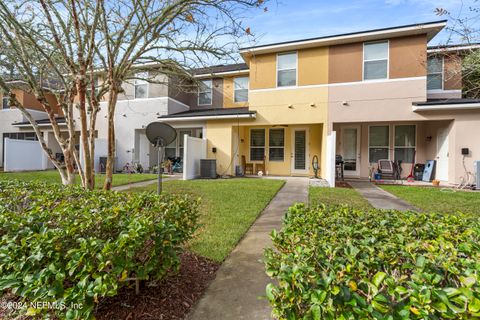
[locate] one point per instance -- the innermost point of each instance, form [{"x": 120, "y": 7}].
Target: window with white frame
[
  {"x": 257, "y": 144},
  {"x": 378, "y": 143},
  {"x": 435, "y": 73},
  {"x": 5, "y": 102},
  {"x": 205, "y": 93},
  {"x": 405, "y": 142},
  {"x": 287, "y": 69},
  {"x": 240, "y": 89},
  {"x": 375, "y": 60},
  {"x": 141, "y": 85},
  {"x": 276, "y": 144}
]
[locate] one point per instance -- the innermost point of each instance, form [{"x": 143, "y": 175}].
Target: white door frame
[
  {"x": 307, "y": 151},
  {"x": 350, "y": 173},
  {"x": 445, "y": 167}
]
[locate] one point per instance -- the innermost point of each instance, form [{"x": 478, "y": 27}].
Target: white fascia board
[
  {"x": 218, "y": 74},
  {"x": 437, "y": 107},
  {"x": 450, "y": 49}
]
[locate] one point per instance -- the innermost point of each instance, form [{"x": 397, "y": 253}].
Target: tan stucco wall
[
  {"x": 229, "y": 94},
  {"x": 376, "y": 101},
  {"x": 408, "y": 57},
  {"x": 345, "y": 63}
]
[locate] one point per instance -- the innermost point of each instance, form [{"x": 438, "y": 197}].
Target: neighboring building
[
  {"x": 369, "y": 95},
  {"x": 14, "y": 125}
]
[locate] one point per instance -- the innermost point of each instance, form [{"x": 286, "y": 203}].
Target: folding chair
[{"x": 385, "y": 167}]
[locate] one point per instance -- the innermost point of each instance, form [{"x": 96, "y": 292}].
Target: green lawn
[
  {"x": 52, "y": 176},
  {"x": 228, "y": 209},
  {"x": 337, "y": 196},
  {"x": 434, "y": 199}
]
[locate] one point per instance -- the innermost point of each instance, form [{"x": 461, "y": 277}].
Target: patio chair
[
  {"x": 247, "y": 167},
  {"x": 385, "y": 167},
  {"x": 261, "y": 167}
]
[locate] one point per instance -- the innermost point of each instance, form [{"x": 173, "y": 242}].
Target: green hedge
[
  {"x": 71, "y": 247},
  {"x": 341, "y": 263}
]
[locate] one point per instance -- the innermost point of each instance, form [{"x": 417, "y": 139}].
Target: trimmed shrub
[
  {"x": 342, "y": 263},
  {"x": 71, "y": 247}
]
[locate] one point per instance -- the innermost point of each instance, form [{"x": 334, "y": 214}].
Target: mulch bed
[
  {"x": 342, "y": 184},
  {"x": 172, "y": 299}
]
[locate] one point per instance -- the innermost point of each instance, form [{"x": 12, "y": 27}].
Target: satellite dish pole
[
  {"x": 160, "y": 147},
  {"x": 160, "y": 135}
]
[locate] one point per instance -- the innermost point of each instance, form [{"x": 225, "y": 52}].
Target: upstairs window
[
  {"x": 287, "y": 69},
  {"x": 405, "y": 143},
  {"x": 257, "y": 144},
  {"x": 435, "y": 73},
  {"x": 240, "y": 89},
  {"x": 5, "y": 103},
  {"x": 205, "y": 93},
  {"x": 375, "y": 60},
  {"x": 141, "y": 85}
]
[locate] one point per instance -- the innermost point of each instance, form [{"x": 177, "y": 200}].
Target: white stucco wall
[{"x": 132, "y": 115}]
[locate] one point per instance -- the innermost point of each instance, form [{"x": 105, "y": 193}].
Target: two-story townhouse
[{"x": 369, "y": 95}]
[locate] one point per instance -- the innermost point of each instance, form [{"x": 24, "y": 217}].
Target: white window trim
[
  {"x": 257, "y": 147},
  {"x": 296, "y": 69},
  {"x": 275, "y": 147},
  {"x": 5, "y": 98},
  {"x": 443, "y": 77},
  {"x": 211, "y": 93},
  {"x": 388, "y": 60},
  {"x": 403, "y": 147},
  {"x": 389, "y": 141},
  {"x": 235, "y": 90},
  {"x": 135, "y": 84}
]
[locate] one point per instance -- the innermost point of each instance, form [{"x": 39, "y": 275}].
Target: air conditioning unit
[
  {"x": 208, "y": 168},
  {"x": 477, "y": 169}
]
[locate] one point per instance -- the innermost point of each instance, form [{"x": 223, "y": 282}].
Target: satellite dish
[{"x": 160, "y": 134}]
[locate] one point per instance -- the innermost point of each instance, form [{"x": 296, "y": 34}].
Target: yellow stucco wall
[
  {"x": 228, "y": 93},
  {"x": 312, "y": 68}
]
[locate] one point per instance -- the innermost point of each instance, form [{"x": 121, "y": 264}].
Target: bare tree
[
  {"x": 74, "y": 41},
  {"x": 52, "y": 52}
]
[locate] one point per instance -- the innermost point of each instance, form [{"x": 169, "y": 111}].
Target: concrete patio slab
[
  {"x": 379, "y": 198},
  {"x": 241, "y": 280}
]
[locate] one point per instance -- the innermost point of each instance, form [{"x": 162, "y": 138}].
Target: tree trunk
[{"x": 112, "y": 101}]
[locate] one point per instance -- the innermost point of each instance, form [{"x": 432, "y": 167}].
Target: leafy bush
[
  {"x": 341, "y": 263},
  {"x": 71, "y": 247}
]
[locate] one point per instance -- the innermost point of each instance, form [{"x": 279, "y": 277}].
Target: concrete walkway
[
  {"x": 241, "y": 280},
  {"x": 143, "y": 183},
  {"x": 379, "y": 198}
]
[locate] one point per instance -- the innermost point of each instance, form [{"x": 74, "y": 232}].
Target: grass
[
  {"x": 337, "y": 196},
  {"x": 52, "y": 176},
  {"x": 434, "y": 199},
  {"x": 228, "y": 209}
]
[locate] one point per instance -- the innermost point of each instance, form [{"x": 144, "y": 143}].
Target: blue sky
[{"x": 298, "y": 19}]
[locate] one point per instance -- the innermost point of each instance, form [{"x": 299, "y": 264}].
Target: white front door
[
  {"x": 299, "y": 155},
  {"x": 351, "y": 150},
  {"x": 441, "y": 172}
]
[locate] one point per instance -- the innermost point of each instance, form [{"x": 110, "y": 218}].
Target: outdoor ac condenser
[{"x": 477, "y": 169}]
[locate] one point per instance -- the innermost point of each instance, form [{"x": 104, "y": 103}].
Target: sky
[{"x": 298, "y": 19}]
